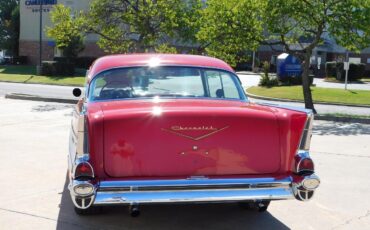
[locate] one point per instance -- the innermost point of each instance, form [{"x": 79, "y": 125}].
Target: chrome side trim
[{"x": 299, "y": 109}]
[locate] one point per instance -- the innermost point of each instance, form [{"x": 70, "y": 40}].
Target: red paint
[
  {"x": 127, "y": 140},
  {"x": 130, "y": 142}
]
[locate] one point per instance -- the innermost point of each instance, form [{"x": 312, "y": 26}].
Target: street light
[{"x": 40, "y": 41}]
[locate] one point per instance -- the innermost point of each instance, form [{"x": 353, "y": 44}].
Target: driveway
[
  {"x": 249, "y": 79},
  {"x": 33, "y": 166}
]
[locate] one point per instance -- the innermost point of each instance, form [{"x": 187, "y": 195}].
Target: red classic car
[{"x": 160, "y": 128}]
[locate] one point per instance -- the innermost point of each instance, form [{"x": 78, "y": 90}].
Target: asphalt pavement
[
  {"x": 54, "y": 91},
  {"x": 34, "y": 195}
]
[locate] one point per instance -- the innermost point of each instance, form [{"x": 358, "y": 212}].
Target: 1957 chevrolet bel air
[{"x": 160, "y": 128}]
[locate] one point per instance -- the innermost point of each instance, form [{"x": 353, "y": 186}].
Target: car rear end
[
  {"x": 260, "y": 155},
  {"x": 180, "y": 134}
]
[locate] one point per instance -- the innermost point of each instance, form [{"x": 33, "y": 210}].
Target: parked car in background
[{"x": 161, "y": 128}]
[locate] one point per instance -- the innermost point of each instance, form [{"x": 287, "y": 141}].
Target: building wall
[{"x": 30, "y": 32}]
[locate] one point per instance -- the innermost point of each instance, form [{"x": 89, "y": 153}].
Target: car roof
[{"x": 131, "y": 60}]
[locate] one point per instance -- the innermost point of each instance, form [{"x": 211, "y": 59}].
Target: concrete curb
[
  {"x": 74, "y": 101},
  {"x": 291, "y": 100},
  {"x": 38, "y": 83},
  {"x": 39, "y": 98}
]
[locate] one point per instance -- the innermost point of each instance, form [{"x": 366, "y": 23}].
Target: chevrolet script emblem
[{"x": 195, "y": 133}]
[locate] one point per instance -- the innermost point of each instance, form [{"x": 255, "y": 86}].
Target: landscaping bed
[
  {"x": 340, "y": 96},
  {"x": 27, "y": 74}
]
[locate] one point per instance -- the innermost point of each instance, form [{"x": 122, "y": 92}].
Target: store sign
[
  {"x": 37, "y": 2},
  {"x": 34, "y": 5}
]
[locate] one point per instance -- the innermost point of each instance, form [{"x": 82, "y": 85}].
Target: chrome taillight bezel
[
  {"x": 305, "y": 141},
  {"x": 79, "y": 162},
  {"x": 300, "y": 157}
]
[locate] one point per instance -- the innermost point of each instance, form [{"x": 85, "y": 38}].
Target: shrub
[
  {"x": 84, "y": 62},
  {"x": 266, "y": 81},
  {"x": 56, "y": 68},
  {"x": 356, "y": 71},
  {"x": 330, "y": 68},
  {"x": 47, "y": 68},
  {"x": 336, "y": 70},
  {"x": 20, "y": 60}
]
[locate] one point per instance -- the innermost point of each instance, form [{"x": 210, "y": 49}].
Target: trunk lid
[{"x": 189, "y": 138}]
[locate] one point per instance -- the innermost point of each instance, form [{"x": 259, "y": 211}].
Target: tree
[
  {"x": 298, "y": 26},
  {"x": 67, "y": 30},
  {"x": 142, "y": 25},
  {"x": 229, "y": 28},
  {"x": 9, "y": 26}
]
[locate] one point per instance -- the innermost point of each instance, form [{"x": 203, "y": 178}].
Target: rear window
[{"x": 139, "y": 82}]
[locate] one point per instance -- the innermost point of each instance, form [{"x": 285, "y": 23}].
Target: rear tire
[
  {"x": 93, "y": 210},
  {"x": 260, "y": 206}
]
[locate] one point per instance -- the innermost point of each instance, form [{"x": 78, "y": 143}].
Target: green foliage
[
  {"x": 330, "y": 68},
  {"x": 302, "y": 23},
  {"x": 266, "y": 80},
  {"x": 336, "y": 70},
  {"x": 229, "y": 27},
  {"x": 139, "y": 26},
  {"x": 55, "y": 68},
  {"x": 299, "y": 26},
  {"x": 166, "y": 49},
  {"x": 67, "y": 31},
  {"x": 266, "y": 68},
  {"x": 9, "y": 26}
]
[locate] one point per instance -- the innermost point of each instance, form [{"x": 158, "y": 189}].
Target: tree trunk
[{"x": 306, "y": 83}]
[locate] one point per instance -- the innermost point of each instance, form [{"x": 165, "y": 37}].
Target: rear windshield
[{"x": 165, "y": 81}]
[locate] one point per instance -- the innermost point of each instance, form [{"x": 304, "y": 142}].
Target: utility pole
[
  {"x": 40, "y": 41},
  {"x": 346, "y": 68}
]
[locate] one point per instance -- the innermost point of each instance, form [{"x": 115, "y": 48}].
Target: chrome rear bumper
[{"x": 192, "y": 190}]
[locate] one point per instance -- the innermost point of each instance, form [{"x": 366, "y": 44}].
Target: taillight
[
  {"x": 83, "y": 169},
  {"x": 304, "y": 165}
]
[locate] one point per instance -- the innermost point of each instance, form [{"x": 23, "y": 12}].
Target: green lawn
[
  {"x": 27, "y": 74},
  {"x": 354, "y": 97}
]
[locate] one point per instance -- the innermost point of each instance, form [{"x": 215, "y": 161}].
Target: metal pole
[
  {"x": 346, "y": 78},
  {"x": 40, "y": 45},
  {"x": 254, "y": 56}
]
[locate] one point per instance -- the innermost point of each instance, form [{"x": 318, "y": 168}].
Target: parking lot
[{"x": 33, "y": 194}]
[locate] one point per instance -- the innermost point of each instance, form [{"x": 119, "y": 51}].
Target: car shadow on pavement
[
  {"x": 189, "y": 216},
  {"x": 340, "y": 129}
]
